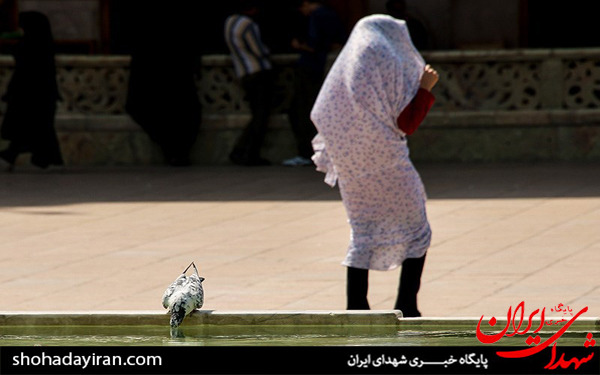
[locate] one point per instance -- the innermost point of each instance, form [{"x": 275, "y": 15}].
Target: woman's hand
[{"x": 429, "y": 78}]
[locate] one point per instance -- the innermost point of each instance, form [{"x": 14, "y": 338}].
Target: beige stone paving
[{"x": 274, "y": 237}]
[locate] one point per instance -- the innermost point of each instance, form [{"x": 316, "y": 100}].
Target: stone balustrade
[{"x": 490, "y": 105}]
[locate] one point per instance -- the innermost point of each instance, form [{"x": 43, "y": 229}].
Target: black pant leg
[
  {"x": 356, "y": 289},
  {"x": 306, "y": 89},
  {"x": 410, "y": 283},
  {"x": 259, "y": 92}
]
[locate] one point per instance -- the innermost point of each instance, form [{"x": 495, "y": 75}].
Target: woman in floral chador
[{"x": 376, "y": 93}]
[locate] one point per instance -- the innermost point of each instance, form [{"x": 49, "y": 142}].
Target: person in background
[
  {"x": 418, "y": 31},
  {"x": 254, "y": 70},
  {"x": 324, "y": 33},
  {"x": 375, "y": 95},
  {"x": 162, "y": 97},
  {"x": 31, "y": 96}
]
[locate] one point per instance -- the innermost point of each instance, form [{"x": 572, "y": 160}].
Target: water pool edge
[
  {"x": 254, "y": 318},
  {"x": 206, "y": 327}
]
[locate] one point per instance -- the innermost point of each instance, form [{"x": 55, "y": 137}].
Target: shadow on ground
[{"x": 28, "y": 187}]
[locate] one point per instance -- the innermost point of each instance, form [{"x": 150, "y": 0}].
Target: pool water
[{"x": 260, "y": 335}]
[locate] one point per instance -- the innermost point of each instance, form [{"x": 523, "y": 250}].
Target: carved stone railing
[
  {"x": 507, "y": 80},
  {"x": 476, "y": 89},
  {"x": 97, "y": 85},
  {"x": 518, "y": 79}
]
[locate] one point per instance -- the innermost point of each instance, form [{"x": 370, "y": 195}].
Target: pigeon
[{"x": 183, "y": 296}]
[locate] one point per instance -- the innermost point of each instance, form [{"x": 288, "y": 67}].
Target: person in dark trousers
[
  {"x": 31, "y": 96},
  {"x": 162, "y": 96},
  {"x": 324, "y": 33},
  {"x": 254, "y": 70},
  {"x": 375, "y": 95}
]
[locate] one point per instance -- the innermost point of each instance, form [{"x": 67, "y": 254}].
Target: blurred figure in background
[
  {"x": 162, "y": 96},
  {"x": 323, "y": 34},
  {"x": 31, "y": 96},
  {"x": 418, "y": 31},
  {"x": 254, "y": 70}
]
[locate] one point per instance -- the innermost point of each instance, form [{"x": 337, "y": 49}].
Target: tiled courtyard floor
[{"x": 272, "y": 238}]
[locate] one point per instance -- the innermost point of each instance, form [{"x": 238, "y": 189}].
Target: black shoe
[
  {"x": 409, "y": 312},
  {"x": 9, "y": 159},
  {"x": 258, "y": 162},
  {"x": 41, "y": 165},
  {"x": 176, "y": 161},
  {"x": 248, "y": 162}
]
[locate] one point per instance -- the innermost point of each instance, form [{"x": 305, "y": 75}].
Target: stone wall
[
  {"x": 491, "y": 106},
  {"x": 514, "y": 105}
]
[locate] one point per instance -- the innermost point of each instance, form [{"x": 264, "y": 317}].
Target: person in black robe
[
  {"x": 31, "y": 96},
  {"x": 162, "y": 96}
]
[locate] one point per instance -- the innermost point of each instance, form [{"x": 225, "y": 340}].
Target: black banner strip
[{"x": 294, "y": 360}]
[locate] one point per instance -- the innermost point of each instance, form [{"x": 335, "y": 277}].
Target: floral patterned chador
[{"x": 360, "y": 145}]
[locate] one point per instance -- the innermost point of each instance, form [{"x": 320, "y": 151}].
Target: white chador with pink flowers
[{"x": 360, "y": 146}]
